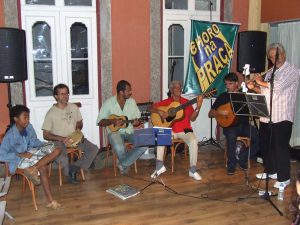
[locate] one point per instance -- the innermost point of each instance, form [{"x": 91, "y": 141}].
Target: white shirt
[{"x": 286, "y": 81}]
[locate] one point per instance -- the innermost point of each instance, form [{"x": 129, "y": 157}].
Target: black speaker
[
  {"x": 13, "y": 63},
  {"x": 252, "y": 51}
]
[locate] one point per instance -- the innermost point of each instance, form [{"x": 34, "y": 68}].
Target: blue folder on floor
[{"x": 153, "y": 136}]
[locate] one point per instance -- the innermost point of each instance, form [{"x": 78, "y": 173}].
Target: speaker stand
[{"x": 9, "y": 106}]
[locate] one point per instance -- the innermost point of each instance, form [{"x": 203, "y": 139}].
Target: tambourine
[{"x": 75, "y": 139}]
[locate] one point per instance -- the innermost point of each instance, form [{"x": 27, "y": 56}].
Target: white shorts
[{"x": 37, "y": 154}]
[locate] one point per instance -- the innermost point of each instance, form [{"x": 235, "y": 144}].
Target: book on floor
[{"x": 123, "y": 191}]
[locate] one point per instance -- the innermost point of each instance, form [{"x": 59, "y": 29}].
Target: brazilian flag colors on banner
[{"x": 210, "y": 55}]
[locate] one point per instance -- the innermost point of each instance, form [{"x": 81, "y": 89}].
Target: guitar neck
[
  {"x": 191, "y": 102},
  {"x": 194, "y": 100}
]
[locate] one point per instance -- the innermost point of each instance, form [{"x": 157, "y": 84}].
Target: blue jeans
[
  {"x": 231, "y": 134},
  {"x": 117, "y": 142}
]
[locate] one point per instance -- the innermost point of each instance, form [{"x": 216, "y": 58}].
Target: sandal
[
  {"x": 32, "y": 174},
  {"x": 54, "y": 205}
]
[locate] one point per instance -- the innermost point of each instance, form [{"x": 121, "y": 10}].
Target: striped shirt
[{"x": 286, "y": 80}]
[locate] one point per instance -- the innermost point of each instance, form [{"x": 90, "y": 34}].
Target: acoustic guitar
[
  {"x": 125, "y": 121},
  {"x": 228, "y": 120},
  {"x": 175, "y": 111}
]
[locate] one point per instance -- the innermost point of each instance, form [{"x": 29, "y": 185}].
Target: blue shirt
[{"x": 14, "y": 143}]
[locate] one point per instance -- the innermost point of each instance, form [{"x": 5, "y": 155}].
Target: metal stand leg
[
  {"x": 9, "y": 216},
  {"x": 211, "y": 140}
]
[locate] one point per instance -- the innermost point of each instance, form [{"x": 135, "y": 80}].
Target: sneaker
[
  {"x": 195, "y": 175},
  {"x": 230, "y": 170},
  {"x": 243, "y": 166},
  {"x": 123, "y": 170},
  {"x": 259, "y": 160},
  {"x": 156, "y": 173},
  {"x": 285, "y": 183},
  {"x": 263, "y": 176}
]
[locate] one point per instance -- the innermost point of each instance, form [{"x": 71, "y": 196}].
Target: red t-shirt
[{"x": 185, "y": 122}]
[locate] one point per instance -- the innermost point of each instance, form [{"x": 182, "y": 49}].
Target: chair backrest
[{"x": 78, "y": 104}]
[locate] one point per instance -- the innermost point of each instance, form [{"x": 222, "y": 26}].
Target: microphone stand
[
  {"x": 211, "y": 140},
  {"x": 172, "y": 76},
  {"x": 266, "y": 195}
]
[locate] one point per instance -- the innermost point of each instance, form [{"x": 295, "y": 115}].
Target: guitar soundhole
[{"x": 170, "y": 118}]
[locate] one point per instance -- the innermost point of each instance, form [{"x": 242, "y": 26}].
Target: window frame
[{"x": 58, "y": 3}]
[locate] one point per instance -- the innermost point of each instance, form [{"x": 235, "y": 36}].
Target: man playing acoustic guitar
[
  {"x": 181, "y": 128},
  {"x": 239, "y": 126},
  {"x": 112, "y": 114}
]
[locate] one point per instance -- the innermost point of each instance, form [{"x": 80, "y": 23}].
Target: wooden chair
[
  {"x": 71, "y": 152},
  {"x": 128, "y": 147},
  {"x": 176, "y": 142},
  {"x": 245, "y": 140},
  {"x": 20, "y": 172}
]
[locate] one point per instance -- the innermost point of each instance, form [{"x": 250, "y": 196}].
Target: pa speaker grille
[
  {"x": 13, "y": 63},
  {"x": 252, "y": 50}
]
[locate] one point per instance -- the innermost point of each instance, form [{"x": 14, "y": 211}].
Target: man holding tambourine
[{"x": 63, "y": 124}]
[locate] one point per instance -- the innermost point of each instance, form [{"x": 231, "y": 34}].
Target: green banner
[{"x": 210, "y": 56}]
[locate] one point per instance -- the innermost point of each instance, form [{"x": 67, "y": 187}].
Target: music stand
[
  {"x": 247, "y": 104},
  {"x": 252, "y": 105}
]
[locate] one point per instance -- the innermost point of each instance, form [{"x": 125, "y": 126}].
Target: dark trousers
[
  {"x": 90, "y": 151},
  {"x": 276, "y": 155},
  {"x": 231, "y": 134}
]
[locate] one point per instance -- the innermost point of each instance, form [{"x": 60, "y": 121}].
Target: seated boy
[{"x": 22, "y": 149}]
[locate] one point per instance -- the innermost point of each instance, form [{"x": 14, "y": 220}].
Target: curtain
[{"x": 288, "y": 35}]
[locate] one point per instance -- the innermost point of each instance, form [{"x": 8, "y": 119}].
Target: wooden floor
[{"x": 216, "y": 199}]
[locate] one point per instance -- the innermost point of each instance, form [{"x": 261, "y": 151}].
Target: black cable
[{"x": 172, "y": 191}]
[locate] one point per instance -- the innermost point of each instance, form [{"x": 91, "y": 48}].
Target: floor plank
[{"x": 216, "y": 199}]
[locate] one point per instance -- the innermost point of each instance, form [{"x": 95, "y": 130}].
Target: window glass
[
  {"x": 176, "y": 4},
  {"x": 205, "y": 5},
  {"x": 40, "y": 2},
  {"x": 78, "y": 2},
  {"x": 176, "y": 38},
  {"x": 79, "y": 59},
  {"x": 42, "y": 57},
  {"x": 176, "y": 53}
]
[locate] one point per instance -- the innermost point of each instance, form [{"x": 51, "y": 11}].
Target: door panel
[{"x": 58, "y": 61}]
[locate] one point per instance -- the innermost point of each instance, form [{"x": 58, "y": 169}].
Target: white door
[{"x": 61, "y": 48}]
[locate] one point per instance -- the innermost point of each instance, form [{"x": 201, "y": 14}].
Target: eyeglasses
[{"x": 64, "y": 94}]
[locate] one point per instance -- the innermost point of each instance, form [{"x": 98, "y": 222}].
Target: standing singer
[{"x": 276, "y": 155}]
